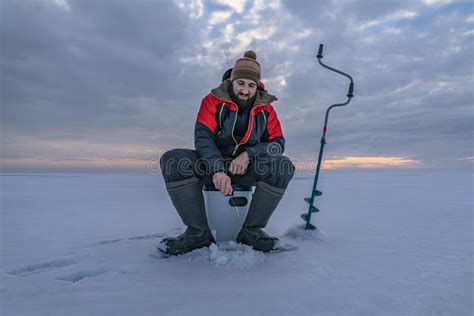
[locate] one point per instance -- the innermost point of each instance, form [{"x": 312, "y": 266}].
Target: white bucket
[{"x": 226, "y": 214}]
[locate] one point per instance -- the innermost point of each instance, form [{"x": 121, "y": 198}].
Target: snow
[
  {"x": 298, "y": 232},
  {"x": 391, "y": 243}
]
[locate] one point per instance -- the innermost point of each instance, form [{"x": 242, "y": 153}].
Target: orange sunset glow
[
  {"x": 359, "y": 162},
  {"x": 152, "y": 165},
  {"x": 369, "y": 162}
]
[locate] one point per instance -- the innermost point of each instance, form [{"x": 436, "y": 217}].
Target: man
[{"x": 238, "y": 139}]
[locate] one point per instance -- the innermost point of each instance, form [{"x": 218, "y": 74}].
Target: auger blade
[
  {"x": 313, "y": 209},
  {"x": 310, "y": 226},
  {"x": 308, "y": 200}
]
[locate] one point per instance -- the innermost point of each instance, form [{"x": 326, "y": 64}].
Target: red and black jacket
[{"x": 214, "y": 137}]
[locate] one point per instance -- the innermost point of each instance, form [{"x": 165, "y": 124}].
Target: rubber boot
[
  {"x": 264, "y": 201},
  {"x": 187, "y": 198}
]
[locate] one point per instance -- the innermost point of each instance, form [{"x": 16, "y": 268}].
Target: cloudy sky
[{"x": 113, "y": 84}]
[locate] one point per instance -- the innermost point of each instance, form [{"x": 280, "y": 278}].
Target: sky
[{"x": 99, "y": 85}]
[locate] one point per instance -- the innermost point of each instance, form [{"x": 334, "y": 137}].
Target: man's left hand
[{"x": 239, "y": 164}]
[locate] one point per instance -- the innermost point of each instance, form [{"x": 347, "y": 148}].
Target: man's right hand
[{"x": 222, "y": 182}]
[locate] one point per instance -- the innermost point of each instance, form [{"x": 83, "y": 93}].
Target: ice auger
[{"x": 314, "y": 192}]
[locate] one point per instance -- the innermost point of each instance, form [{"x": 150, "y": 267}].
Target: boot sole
[{"x": 167, "y": 254}]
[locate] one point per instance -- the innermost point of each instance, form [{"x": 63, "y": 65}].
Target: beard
[{"x": 242, "y": 104}]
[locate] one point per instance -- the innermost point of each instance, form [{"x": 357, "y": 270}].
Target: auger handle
[
  {"x": 320, "y": 51},
  {"x": 350, "y": 94}
]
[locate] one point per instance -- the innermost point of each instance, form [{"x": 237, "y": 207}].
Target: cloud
[
  {"x": 193, "y": 8},
  {"x": 238, "y": 5},
  {"x": 246, "y": 38},
  {"x": 123, "y": 80},
  {"x": 411, "y": 90},
  {"x": 435, "y": 2},
  {"x": 219, "y": 17},
  {"x": 396, "y": 16},
  {"x": 98, "y": 72},
  {"x": 63, "y": 4}
]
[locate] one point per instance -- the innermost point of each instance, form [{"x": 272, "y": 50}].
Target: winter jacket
[{"x": 214, "y": 137}]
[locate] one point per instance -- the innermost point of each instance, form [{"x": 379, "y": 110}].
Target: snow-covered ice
[{"x": 388, "y": 243}]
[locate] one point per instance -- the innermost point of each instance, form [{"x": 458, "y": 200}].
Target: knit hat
[{"x": 247, "y": 68}]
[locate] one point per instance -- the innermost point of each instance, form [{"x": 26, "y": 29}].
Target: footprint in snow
[
  {"x": 143, "y": 237},
  {"x": 80, "y": 275},
  {"x": 43, "y": 266}
]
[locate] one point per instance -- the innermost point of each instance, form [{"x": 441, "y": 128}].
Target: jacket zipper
[
  {"x": 220, "y": 115},
  {"x": 251, "y": 128},
  {"x": 220, "y": 120},
  {"x": 233, "y": 127}
]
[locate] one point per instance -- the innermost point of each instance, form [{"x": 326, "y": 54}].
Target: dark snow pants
[{"x": 180, "y": 164}]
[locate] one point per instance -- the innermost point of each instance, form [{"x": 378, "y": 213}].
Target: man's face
[{"x": 244, "y": 89}]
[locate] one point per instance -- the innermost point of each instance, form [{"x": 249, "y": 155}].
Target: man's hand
[
  {"x": 222, "y": 183},
  {"x": 239, "y": 165}
]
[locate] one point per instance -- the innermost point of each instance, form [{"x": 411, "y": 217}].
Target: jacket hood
[{"x": 222, "y": 92}]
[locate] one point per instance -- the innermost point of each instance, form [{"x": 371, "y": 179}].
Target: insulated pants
[{"x": 180, "y": 164}]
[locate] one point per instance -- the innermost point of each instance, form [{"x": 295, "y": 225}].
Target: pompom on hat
[{"x": 247, "y": 68}]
